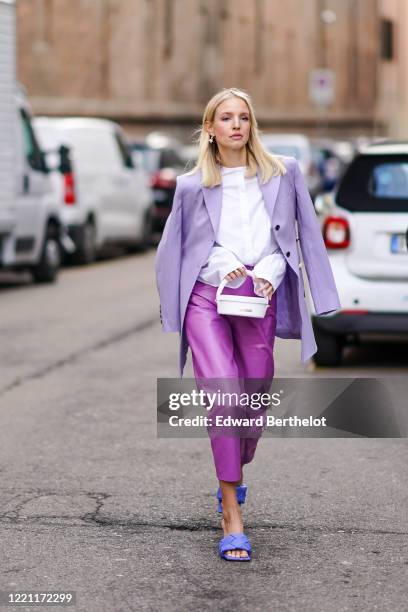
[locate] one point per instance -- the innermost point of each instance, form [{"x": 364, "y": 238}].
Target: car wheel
[
  {"x": 86, "y": 247},
  {"x": 329, "y": 349},
  {"x": 46, "y": 271}
]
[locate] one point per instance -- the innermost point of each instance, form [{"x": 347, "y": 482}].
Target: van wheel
[
  {"x": 329, "y": 349},
  {"x": 46, "y": 271},
  {"x": 86, "y": 246}
]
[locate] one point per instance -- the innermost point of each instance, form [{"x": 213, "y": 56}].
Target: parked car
[
  {"x": 298, "y": 146},
  {"x": 365, "y": 231},
  {"x": 328, "y": 163},
  {"x": 104, "y": 199},
  {"x": 161, "y": 156},
  {"x": 32, "y": 233}
]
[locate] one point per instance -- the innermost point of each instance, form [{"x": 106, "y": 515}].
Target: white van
[
  {"x": 104, "y": 198},
  {"x": 31, "y": 230}
]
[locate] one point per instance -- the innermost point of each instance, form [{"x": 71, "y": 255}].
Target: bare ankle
[{"x": 232, "y": 513}]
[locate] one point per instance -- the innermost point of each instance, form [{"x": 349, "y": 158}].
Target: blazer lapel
[
  {"x": 213, "y": 202},
  {"x": 213, "y": 198}
]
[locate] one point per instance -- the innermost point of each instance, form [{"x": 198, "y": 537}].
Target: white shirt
[{"x": 244, "y": 235}]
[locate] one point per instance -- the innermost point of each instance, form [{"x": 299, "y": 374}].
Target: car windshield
[
  {"x": 375, "y": 183},
  {"x": 150, "y": 159}
]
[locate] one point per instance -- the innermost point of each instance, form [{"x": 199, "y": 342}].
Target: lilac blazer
[{"x": 190, "y": 233}]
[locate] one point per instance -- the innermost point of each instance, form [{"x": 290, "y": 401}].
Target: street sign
[{"x": 322, "y": 86}]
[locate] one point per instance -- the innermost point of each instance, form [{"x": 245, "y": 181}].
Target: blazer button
[
  {"x": 277, "y": 227},
  {"x": 287, "y": 254}
]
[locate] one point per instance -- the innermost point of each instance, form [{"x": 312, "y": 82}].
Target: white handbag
[{"x": 240, "y": 305}]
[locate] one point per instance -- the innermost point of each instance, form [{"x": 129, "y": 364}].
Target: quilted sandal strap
[
  {"x": 234, "y": 541},
  {"x": 241, "y": 493}
]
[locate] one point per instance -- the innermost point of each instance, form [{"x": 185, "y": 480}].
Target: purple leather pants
[{"x": 231, "y": 347}]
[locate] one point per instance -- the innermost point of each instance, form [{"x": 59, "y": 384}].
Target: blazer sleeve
[
  {"x": 321, "y": 281},
  {"x": 168, "y": 266}
]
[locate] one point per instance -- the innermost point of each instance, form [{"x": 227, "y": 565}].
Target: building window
[{"x": 387, "y": 39}]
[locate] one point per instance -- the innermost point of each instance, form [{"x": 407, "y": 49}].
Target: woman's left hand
[{"x": 265, "y": 287}]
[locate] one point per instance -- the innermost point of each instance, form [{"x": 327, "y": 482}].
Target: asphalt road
[{"x": 93, "y": 502}]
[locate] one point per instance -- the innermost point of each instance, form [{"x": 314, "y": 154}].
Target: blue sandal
[
  {"x": 241, "y": 495},
  {"x": 234, "y": 541}
]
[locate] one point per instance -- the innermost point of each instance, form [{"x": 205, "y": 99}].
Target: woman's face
[{"x": 231, "y": 125}]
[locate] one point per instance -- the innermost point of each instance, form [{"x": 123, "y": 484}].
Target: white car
[
  {"x": 365, "y": 231},
  {"x": 104, "y": 198},
  {"x": 299, "y": 147}
]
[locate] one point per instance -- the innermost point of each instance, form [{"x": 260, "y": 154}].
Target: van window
[
  {"x": 124, "y": 151},
  {"x": 375, "y": 183},
  {"x": 32, "y": 150}
]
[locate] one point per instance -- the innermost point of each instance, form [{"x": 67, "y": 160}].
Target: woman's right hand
[{"x": 236, "y": 273}]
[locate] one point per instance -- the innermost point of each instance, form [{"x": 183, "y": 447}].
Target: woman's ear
[{"x": 208, "y": 126}]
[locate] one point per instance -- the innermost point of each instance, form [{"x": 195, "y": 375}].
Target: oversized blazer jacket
[{"x": 190, "y": 233}]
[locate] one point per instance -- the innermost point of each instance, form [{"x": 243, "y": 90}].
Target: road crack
[{"x": 25, "y": 512}]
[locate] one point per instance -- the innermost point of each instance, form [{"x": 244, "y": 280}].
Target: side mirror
[
  {"x": 43, "y": 162},
  {"x": 59, "y": 159},
  {"x": 65, "y": 165}
]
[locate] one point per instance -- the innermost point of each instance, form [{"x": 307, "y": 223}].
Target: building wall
[
  {"x": 392, "y": 103},
  {"x": 146, "y": 62}
]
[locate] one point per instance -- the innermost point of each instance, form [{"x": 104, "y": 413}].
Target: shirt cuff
[
  {"x": 220, "y": 263},
  {"x": 272, "y": 268}
]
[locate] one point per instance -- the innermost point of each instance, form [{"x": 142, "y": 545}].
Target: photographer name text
[{"x": 229, "y": 421}]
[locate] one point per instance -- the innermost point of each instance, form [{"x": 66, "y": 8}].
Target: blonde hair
[{"x": 257, "y": 156}]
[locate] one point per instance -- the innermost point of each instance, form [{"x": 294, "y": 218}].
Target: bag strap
[{"x": 225, "y": 282}]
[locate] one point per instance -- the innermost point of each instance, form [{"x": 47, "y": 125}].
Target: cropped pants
[{"x": 239, "y": 349}]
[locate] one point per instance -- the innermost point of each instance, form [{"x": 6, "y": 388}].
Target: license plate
[{"x": 398, "y": 243}]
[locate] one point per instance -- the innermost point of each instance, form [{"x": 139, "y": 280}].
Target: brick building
[{"x": 156, "y": 62}]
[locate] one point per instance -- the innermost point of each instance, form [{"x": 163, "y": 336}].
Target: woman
[{"x": 238, "y": 210}]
